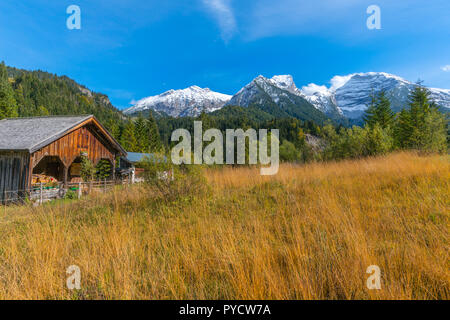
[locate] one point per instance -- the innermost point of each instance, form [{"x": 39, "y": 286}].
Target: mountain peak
[
  {"x": 284, "y": 80},
  {"x": 198, "y": 89},
  {"x": 351, "y": 93},
  {"x": 346, "y": 95},
  {"x": 180, "y": 103}
]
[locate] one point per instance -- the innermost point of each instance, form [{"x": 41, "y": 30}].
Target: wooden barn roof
[{"x": 32, "y": 134}]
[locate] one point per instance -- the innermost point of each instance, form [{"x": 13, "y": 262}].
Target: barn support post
[
  {"x": 79, "y": 190},
  {"x": 41, "y": 190},
  {"x": 66, "y": 175},
  {"x": 114, "y": 167}
]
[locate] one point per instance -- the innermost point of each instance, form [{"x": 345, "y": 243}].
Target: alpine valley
[{"x": 344, "y": 100}]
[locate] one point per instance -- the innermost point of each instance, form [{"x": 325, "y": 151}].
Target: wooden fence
[{"x": 40, "y": 193}]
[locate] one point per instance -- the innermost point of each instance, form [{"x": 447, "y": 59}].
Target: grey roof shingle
[
  {"x": 135, "y": 157},
  {"x": 31, "y": 134}
]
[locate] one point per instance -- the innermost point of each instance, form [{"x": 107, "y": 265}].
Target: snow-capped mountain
[
  {"x": 271, "y": 87},
  {"x": 351, "y": 93},
  {"x": 282, "y": 91},
  {"x": 321, "y": 98},
  {"x": 182, "y": 103},
  {"x": 346, "y": 97}
]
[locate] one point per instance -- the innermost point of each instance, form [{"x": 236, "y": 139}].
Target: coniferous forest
[{"x": 419, "y": 126}]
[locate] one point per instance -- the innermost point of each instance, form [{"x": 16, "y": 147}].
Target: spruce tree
[
  {"x": 128, "y": 139},
  {"x": 103, "y": 170},
  {"x": 87, "y": 169},
  {"x": 385, "y": 116},
  {"x": 434, "y": 135},
  {"x": 8, "y": 105},
  {"x": 370, "y": 113},
  {"x": 379, "y": 111},
  {"x": 422, "y": 127},
  {"x": 419, "y": 108},
  {"x": 154, "y": 139},
  {"x": 113, "y": 128},
  {"x": 419, "y": 105},
  {"x": 403, "y": 129},
  {"x": 141, "y": 134},
  {"x": 207, "y": 122}
]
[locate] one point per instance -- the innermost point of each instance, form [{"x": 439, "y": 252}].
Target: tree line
[
  {"x": 418, "y": 126},
  {"x": 37, "y": 93}
]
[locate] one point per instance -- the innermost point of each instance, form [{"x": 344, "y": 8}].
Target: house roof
[
  {"x": 32, "y": 134},
  {"x": 135, "y": 157}
]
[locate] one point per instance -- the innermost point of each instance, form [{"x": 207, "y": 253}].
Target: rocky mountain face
[
  {"x": 351, "y": 93},
  {"x": 346, "y": 98},
  {"x": 277, "y": 96},
  {"x": 182, "y": 103}
]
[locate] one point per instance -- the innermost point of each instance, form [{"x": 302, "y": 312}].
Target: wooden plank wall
[
  {"x": 14, "y": 172},
  {"x": 69, "y": 147}
]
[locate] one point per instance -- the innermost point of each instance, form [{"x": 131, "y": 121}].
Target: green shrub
[
  {"x": 71, "y": 195},
  {"x": 173, "y": 181}
]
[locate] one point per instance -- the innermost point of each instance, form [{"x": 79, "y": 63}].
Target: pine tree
[
  {"x": 42, "y": 111},
  {"x": 403, "y": 129},
  {"x": 419, "y": 108},
  {"x": 434, "y": 135},
  {"x": 128, "y": 139},
  {"x": 8, "y": 105},
  {"x": 207, "y": 122},
  {"x": 384, "y": 112},
  {"x": 154, "y": 139},
  {"x": 370, "y": 113},
  {"x": 379, "y": 111},
  {"x": 419, "y": 105},
  {"x": 103, "y": 169},
  {"x": 141, "y": 134},
  {"x": 423, "y": 127},
  {"x": 113, "y": 128},
  {"x": 87, "y": 169}
]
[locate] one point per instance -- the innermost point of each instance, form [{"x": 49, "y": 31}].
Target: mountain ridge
[
  {"x": 345, "y": 98},
  {"x": 40, "y": 93},
  {"x": 181, "y": 103},
  {"x": 351, "y": 93}
]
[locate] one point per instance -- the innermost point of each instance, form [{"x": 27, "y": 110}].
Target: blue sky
[{"x": 133, "y": 49}]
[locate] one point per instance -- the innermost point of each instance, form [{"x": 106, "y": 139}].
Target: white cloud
[
  {"x": 339, "y": 81},
  {"x": 223, "y": 13},
  {"x": 312, "y": 88},
  {"x": 336, "y": 82},
  {"x": 446, "y": 68}
]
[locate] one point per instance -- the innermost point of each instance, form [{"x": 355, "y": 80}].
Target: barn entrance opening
[
  {"x": 75, "y": 171},
  {"x": 49, "y": 170}
]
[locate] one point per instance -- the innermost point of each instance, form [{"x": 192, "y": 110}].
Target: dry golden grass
[{"x": 308, "y": 233}]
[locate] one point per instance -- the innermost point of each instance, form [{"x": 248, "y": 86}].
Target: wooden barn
[{"x": 51, "y": 146}]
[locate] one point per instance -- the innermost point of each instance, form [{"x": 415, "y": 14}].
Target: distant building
[{"x": 130, "y": 165}]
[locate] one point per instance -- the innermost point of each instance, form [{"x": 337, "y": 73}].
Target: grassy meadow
[{"x": 309, "y": 232}]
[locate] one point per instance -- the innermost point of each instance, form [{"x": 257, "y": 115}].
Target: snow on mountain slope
[
  {"x": 351, "y": 93},
  {"x": 322, "y": 98},
  {"x": 182, "y": 103},
  {"x": 279, "y": 88},
  {"x": 285, "y": 82},
  {"x": 347, "y": 96}
]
